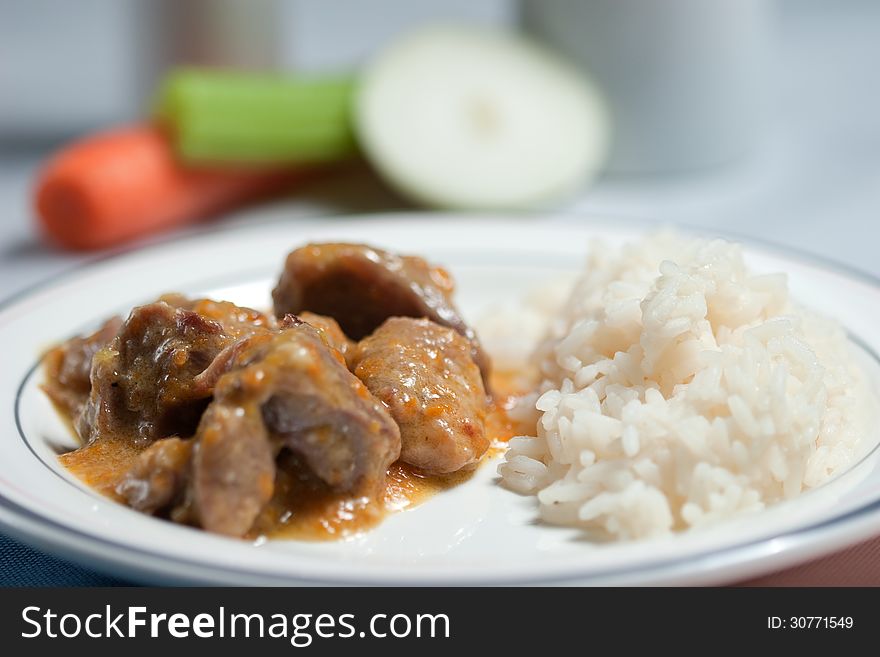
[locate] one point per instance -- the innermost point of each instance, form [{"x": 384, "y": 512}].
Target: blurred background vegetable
[
  {"x": 123, "y": 184},
  {"x": 222, "y": 117},
  {"x": 473, "y": 118},
  {"x": 455, "y": 116},
  {"x": 735, "y": 112}
]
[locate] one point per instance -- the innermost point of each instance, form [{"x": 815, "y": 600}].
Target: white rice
[{"x": 679, "y": 389}]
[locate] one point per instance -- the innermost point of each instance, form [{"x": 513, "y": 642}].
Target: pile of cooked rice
[{"x": 678, "y": 388}]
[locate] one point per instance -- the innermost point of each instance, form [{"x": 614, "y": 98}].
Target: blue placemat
[{"x": 21, "y": 565}]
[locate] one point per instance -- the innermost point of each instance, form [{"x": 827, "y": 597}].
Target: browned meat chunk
[
  {"x": 360, "y": 287},
  {"x": 314, "y": 406},
  {"x": 327, "y": 327},
  {"x": 146, "y": 384},
  {"x": 159, "y": 476},
  {"x": 68, "y": 367},
  {"x": 233, "y": 468},
  {"x": 287, "y": 390},
  {"x": 425, "y": 375},
  {"x": 237, "y": 321}
]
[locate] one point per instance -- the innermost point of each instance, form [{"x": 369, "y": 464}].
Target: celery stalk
[{"x": 226, "y": 118}]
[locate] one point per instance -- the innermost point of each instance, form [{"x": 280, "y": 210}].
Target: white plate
[{"x": 476, "y": 533}]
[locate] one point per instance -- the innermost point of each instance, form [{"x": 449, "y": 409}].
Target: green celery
[{"x": 222, "y": 117}]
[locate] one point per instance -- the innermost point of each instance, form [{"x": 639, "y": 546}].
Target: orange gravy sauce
[
  {"x": 303, "y": 508},
  {"x": 102, "y": 464}
]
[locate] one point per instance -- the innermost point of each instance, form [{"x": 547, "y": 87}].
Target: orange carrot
[{"x": 123, "y": 184}]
